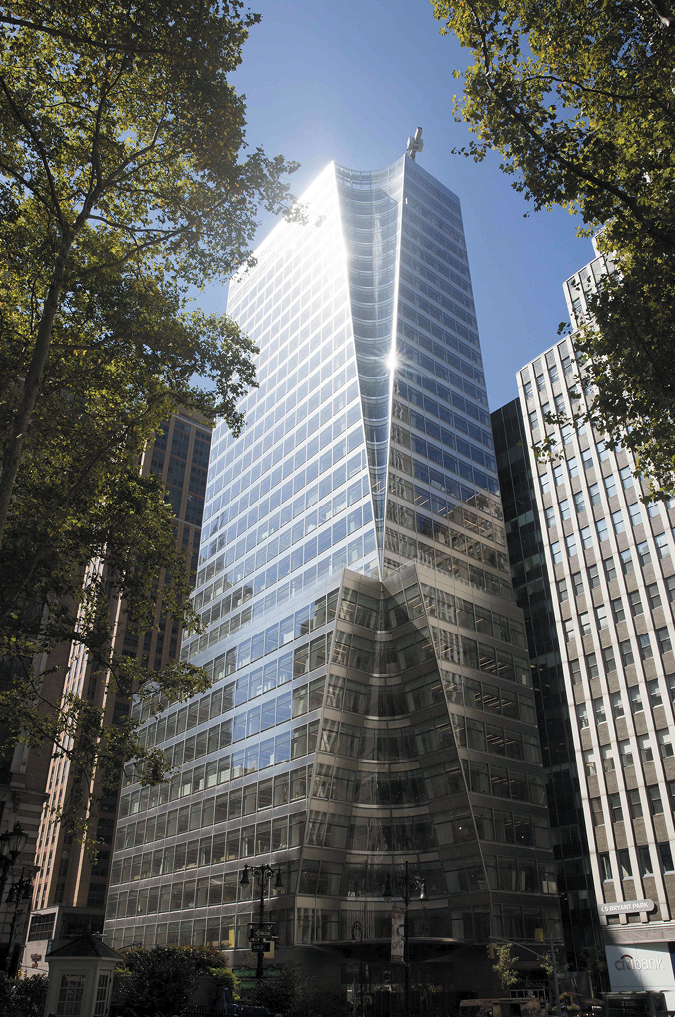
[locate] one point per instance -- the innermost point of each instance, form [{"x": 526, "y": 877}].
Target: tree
[
  {"x": 504, "y": 968},
  {"x": 24, "y": 997},
  {"x": 163, "y": 979},
  {"x": 294, "y": 993},
  {"x": 577, "y": 100},
  {"x": 123, "y": 182}
]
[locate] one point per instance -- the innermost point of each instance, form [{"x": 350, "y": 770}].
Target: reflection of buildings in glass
[
  {"x": 611, "y": 562},
  {"x": 358, "y": 719},
  {"x": 70, "y": 890}
]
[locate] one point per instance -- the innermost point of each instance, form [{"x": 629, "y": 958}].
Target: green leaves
[{"x": 577, "y": 100}]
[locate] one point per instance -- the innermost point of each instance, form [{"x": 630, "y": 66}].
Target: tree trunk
[{"x": 32, "y": 385}]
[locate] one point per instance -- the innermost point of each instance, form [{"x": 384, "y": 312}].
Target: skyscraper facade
[
  {"x": 372, "y": 700},
  {"x": 611, "y": 563},
  {"x": 71, "y": 885}
]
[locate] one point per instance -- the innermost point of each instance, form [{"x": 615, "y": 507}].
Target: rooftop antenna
[{"x": 415, "y": 144}]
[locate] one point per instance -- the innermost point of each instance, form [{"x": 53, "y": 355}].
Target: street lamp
[
  {"x": 406, "y": 884},
  {"x": 12, "y": 843},
  {"x": 263, "y": 875},
  {"x": 358, "y": 927}
]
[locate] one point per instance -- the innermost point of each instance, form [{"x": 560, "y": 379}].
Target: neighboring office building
[
  {"x": 611, "y": 561},
  {"x": 357, "y": 721},
  {"x": 532, "y": 587},
  {"x": 70, "y": 890}
]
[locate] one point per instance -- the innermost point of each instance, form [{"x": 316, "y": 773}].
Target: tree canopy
[
  {"x": 124, "y": 181},
  {"x": 577, "y": 99}
]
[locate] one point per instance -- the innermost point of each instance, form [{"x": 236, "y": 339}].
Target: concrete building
[
  {"x": 610, "y": 562},
  {"x": 372, "y": 703},
  {"x": 70, "y": 889}
]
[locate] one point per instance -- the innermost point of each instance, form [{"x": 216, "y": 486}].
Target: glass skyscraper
[{"x": 372, "y": 699}]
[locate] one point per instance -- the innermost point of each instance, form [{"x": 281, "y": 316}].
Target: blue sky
[{"x": 350, "y": 81}]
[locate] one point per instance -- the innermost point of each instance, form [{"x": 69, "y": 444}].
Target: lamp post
[
  {"x": 19, "y": 891},
  {"x": 358, "y": 927},
  {"x": 12, "y": 843},
  {"x": 263, "y": 875},
  {"x": 406, "y": 884}
]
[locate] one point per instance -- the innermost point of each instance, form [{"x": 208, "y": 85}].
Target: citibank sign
[{"x": 640, "y": 967}]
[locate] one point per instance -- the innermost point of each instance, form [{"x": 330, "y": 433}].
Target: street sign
[{"x": 624, "y": 907}]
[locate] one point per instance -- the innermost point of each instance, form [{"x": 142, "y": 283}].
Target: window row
[
  {"x": 255, "y": 756},
  {"x": 324, "y": 489},
  {"x": 616, "y": 813},
  {"x": 435, "y": 530},
  {"x": 521, "y": 874},
  {"x": 466, "y": 614},
  {"x": 621, "y": 754},
  {"x": 446, "y": 338},
  {"x": 645, "y": 862},
  {"x": 280, "y": 791},
  {"x": 313, "y": 394},
  {"x": 479, "y": 736},
  {"x": 416, "y": 356},
  {"x": 343, "y": 558},
  {"x": 409, "y": 415},
  {"x": 481, "y": 657},
  {"x": 481, "y": 696}
]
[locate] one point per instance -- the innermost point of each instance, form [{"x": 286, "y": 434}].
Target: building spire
[{"x": 415, "y": 144}]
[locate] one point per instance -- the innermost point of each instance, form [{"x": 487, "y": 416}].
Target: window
[
  {"x": 654, "y": 596},
  {"x": 575, "y": 671},
  {"x": 599, "y": 711},
  {"x": 663, "y": 638},
  {"x": 610, "y": 569},
  {"x": 618, "y": 612},
  {"x": 654, "y": 692},
  {"x": 544, "y": 482},
  {"x": 594, "y": 494},
  {"x": 549, "y": 512},
  {"x": 605, "y": 867},
  {"x": 541, "y": 382},
  {"x": 578, "y": 584},
  {"x": 645, "y": 861},
  {"x": 610, "y": 486},
  {"x": 603, "y": 452},
  {"x": 566, "y": 432},
  {"x": 556, "y": 551},
  {"x": 592, "y": 669},
  {"x": 565, "y": 511},
  {"x": 569, "y": 629},
  {"x": 626, "y": 652},
  {"x": 665, "y": 857},
  {"x": 655, "y": 803},
  {"x": 601, "y": 527},
  {"x": 646, "y": 749},
  {"x": 573, "y": 466},
  {"x": 654, "y": 510},
  {"x": 634, "y": 801},
  {"x": 567, "y": 365},
  {"x": 571, "y": 543},
  {"x": 670, "y": 588},
  {"x": 617, "y": 705},
  {"x": 608, "y": 660},
  {"x": 601, "y": 617},
  {"x": 593, "y": 576},
  {"x": 645, "y": 646},
  {"x": 597, "y": 815},
  {"x": 635, "y": 699},
  {"x": 615, "y": 810},
  {"x": 626, "y": 562},
  {"x": 607, "y": 757},
  {"x": 545, "y": 408},
  {"x": 527, "y": 388},
  {"x": 590, "y": 764},
  {"x": 670, "y": 681},
  {"x": 626, "y": 476},
  {"x": 579, "y": 503},
  {"x": 534, "y": 420},
  {"x": 559, "y": 404},
  {"x": 665, "y": 740},
  {"x": 586, "y": 539},
  {"x": 662, "y": 545},
  {"x": 587, "y": 459},
  {"x": 626, "y": 759},
  {"x": 559, "y": 474},
  {"x": 582, "y": 716},
  {"x": 625, "y": 867},
  {"x": 585, "y": 623},
  {"x": 635, "y": 604},
  {"x": 643, "y": 553},
  {"x": 635, "y": 514},
  {"x": 563, "y": 595},
  {"x": 617, "y": 522}
]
